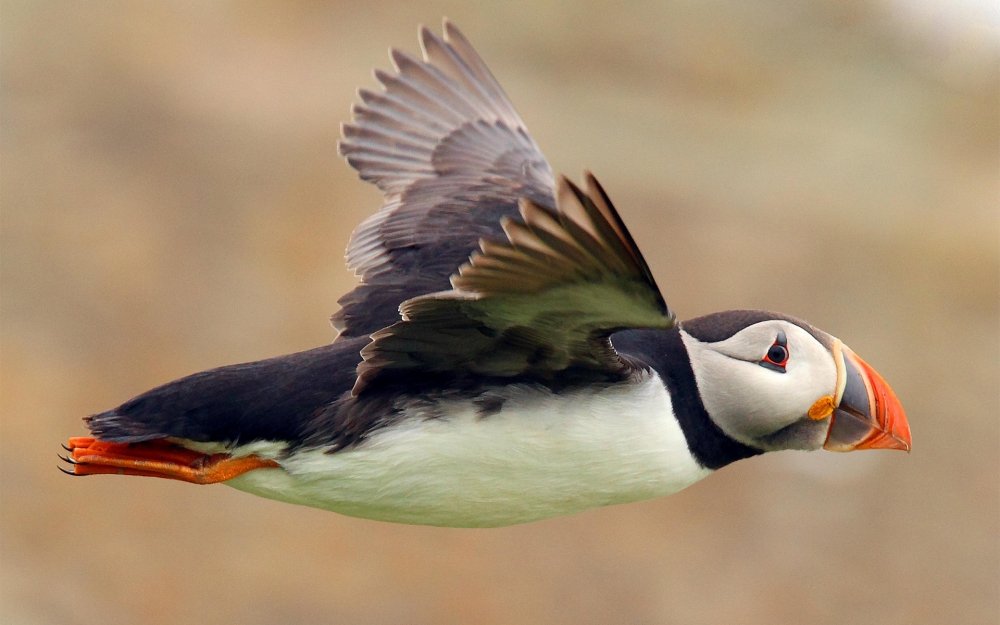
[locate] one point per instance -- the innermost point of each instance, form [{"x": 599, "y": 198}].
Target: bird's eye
[{"x": 777, "y": 356}]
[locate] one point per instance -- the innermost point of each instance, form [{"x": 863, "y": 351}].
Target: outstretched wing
[
  {"x": 540, "y": 303},
  {"x": 453, "y": 158}
]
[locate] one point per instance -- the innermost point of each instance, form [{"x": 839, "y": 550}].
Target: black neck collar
[{"x": 664, "y": 352}]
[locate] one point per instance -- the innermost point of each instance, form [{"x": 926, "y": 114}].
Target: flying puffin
[{"x": 507, "y": 356}]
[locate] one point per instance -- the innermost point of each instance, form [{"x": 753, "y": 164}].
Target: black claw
[
  {"x": 68, "y": 472},
  {"x": 69, "y": 460},
  {"x": 63, "y": 445}
]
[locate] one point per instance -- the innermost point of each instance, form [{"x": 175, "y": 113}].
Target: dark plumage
[{"x": 274, "y": 399}]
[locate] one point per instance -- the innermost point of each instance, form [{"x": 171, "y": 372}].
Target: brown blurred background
[{"x": 172, "y": 201}]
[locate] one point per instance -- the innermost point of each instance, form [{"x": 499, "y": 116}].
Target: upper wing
[
  {"x": 540, "y": 303},
  {"x": 453, "y": 158}
]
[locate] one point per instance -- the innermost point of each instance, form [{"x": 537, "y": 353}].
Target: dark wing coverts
[
  {"x": 453, "y": 158},
  {"x": 544, "y": 301}
]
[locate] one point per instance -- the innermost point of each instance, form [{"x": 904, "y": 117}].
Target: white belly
[{"x": 541, "y": 456}]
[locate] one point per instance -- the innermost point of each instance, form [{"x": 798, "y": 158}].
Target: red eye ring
[{"x": 777, "y": 355}]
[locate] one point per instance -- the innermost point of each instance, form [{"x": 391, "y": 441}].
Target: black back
[
  {"x": 302, "y": 399},
  {"x": 275, "y": 399}
]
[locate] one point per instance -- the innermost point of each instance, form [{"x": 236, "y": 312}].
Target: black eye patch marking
[{"x": 777, "y": 355}]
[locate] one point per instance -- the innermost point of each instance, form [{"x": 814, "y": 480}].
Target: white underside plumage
[{"x": 542, "y": 455}]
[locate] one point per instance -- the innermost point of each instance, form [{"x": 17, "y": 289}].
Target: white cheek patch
[{"x": 749, "y": 401}]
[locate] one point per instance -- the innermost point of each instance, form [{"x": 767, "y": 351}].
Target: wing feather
[
  {"x": 541, "y": 303},
  {"x": 452, "y": 156}
]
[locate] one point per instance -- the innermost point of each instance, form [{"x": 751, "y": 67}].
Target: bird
[{"x": 507, "y": 355}]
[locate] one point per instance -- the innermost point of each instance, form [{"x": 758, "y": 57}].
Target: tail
[{"x": 269, "y": 400}]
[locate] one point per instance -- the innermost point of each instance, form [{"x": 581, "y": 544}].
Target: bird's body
[
  {"x": 540, "y": 454},
  {"x": 485, "y": 454},
  {"x": 507, "y": 357}
]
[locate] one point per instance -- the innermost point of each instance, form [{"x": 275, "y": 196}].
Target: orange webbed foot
[{"x": 157, "y": 458}]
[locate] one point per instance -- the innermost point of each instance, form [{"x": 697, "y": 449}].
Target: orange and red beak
[{"x": 868, "y": 414}]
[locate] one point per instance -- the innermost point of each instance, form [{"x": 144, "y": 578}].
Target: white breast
[{"x": 542, "y": 455}]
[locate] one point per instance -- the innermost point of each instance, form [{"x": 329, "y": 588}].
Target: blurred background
[{"x": 173, "y": 201}]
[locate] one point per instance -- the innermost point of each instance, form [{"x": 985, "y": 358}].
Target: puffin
[{"x": 506, "y": 356}]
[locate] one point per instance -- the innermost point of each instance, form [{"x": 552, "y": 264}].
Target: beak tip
[
  {"x": 901, "y": 443},
  {"x": 887, "y": 427},
  {"x": 904, "y": 440}
]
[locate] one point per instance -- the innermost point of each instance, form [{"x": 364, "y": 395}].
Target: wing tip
[
  {"x": 401, "y": 59},
  {"x": 452, "y": 34}
]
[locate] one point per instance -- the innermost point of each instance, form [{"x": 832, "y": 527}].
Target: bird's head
[{"x": 773, "y": 382}]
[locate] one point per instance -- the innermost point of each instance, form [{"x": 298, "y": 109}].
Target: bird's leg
[{"x": 157, "y": 458}]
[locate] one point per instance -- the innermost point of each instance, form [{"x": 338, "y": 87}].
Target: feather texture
[
  {"x": 541, "y": 302},
  {"x": 453, "y": 158}
]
